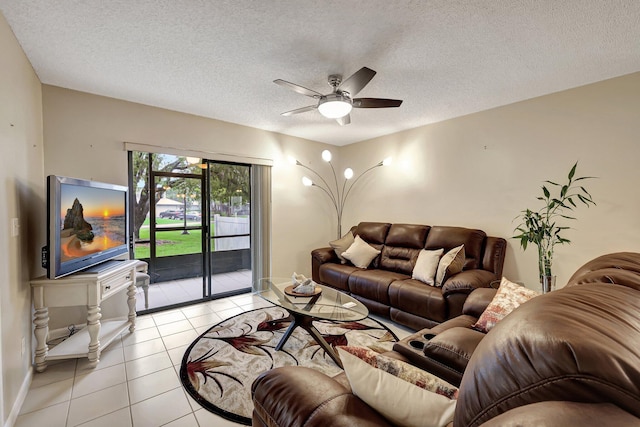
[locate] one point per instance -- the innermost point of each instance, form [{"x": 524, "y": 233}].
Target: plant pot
[{"x": 548, "y": 283}]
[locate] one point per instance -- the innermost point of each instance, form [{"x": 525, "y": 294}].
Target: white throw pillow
[
  {"x": 426, "y": 266},
  {"x": 360, "y": 253},
  {"x": 399, "y": 401},
  {"x": 451, "y": 263},
  {"x": 342, "y": 244}
]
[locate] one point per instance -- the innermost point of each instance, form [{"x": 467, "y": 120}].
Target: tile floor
[
  {"x": 137, "y": 380},
  {"x": 178, "y": 291}
]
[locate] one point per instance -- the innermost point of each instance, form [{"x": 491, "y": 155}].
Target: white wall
[
  {"x": 21, "y": 197},
  {"x": 481, "y": 170}
]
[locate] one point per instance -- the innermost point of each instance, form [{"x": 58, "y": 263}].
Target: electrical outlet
[
  {"x": 23, "y": 347},
  {"x": 15, "y": 227}
]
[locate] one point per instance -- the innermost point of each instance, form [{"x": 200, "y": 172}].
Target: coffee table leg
[
  {"x": 294, "y": 324},
  {"x": 320, "y": 340}
]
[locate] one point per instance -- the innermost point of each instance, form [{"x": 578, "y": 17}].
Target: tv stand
[{"x": 88, "y": 288}]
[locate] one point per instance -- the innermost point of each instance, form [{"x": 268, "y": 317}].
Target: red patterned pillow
[{"x": 509, "y": 296}]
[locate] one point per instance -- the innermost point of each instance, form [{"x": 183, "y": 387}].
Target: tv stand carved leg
[
  {"x": 41, "y": 332},
  {"x": 93, "y": 326},
  {"x": 131, "y": 302}
]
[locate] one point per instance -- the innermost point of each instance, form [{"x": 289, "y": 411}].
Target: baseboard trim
[{"x": 22, "y": 396}]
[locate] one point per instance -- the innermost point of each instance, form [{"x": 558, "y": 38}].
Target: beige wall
[
  {"x": 21, "y": 197},
  {"x": 481, "y": 170},
  {"x": 84, "y": 137}
]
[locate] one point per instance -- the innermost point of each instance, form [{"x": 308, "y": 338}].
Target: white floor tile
[
  {"x": 98, "y": 380},
  {"x": 164, "y": 318},
  {"x": 140, "y": 336},
  {"x": 225, "y": 314},
  {"x": 209, "y": 319},
  {"x": 144, "y": 349},
  {"x": 179, "y": 339},
  {"x": 97, "y": 404},
  {"x": 148, "y": 365},
  {"x": 186, "y": 421},
  {"x": 120, "y": 418},
  {"x": 145, "y": 387},
  {"x": 176, "y": 354},
  {"x": 196, "y": 310},
  {"x": 57, "y": 370},
  {"x": 47, "y": 395},
  {"x": 161, "y": 409},
  {"x": 144, "y": 322},
  {"x": 109, "y": 357},
  {"x": 53, "y": 416},
  {"x": 174, "y": 327}
]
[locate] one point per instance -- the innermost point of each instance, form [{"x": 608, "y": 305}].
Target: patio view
[{"x": 191, "y": 224}]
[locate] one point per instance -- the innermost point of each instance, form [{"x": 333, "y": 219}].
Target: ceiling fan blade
[
  {"x": 357, "y": 81},
  {"x": 299, "y": 110},
  {"x": 376, "y": 103},
  {"x": 344, "y": 120},
  {"x": 297, "y": 88}
]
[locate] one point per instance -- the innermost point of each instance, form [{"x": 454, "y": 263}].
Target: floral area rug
[{"x": 219, "y": 367}]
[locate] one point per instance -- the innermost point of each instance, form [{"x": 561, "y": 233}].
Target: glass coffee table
[{"x": 328, "y": 304}]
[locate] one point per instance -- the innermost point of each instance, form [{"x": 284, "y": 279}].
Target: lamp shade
[{"x": 334, "y": 106}]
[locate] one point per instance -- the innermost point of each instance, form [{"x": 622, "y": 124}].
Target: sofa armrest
[
  {"x": 477, "y": 301},
  {"x": 557, "y": 413},
  {"x": 468, "y": 280},
  {"x": 321, "y": 256},
  {"x": 294, "y": 396}
]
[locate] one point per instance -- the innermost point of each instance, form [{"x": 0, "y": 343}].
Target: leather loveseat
[
  {"x": 386, "y": 286},
  {"x": 567, "y": 358}
]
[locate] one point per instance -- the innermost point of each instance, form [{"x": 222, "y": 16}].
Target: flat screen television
[{"x": 87, "y": 224}]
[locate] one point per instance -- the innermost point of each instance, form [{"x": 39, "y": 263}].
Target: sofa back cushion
[
  {"x": 374, "y": 233},
  {"x": 450, "y": 237},
  {"x": 402, "y": 247},
  {"x": 580, "y": 343}
]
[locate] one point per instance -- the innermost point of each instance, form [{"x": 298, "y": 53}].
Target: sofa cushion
[
  {"x": 400, "y": 401},
  {"x": 374, "y": 233},
  {"x": 336, "y": 275},
  {"x": 451, "y": 237},
  {"x": 342, "y": 244},
  {"x": 426, "y": 266},
  {"x": 402, "y": 247},
  {"x": 451, "y": 263},
  {"x": 509, "y": 296},
  {"x": 360, "y": 253},
  {"x": 420, "y": 299},
  {"x": 373, "y": 284}
]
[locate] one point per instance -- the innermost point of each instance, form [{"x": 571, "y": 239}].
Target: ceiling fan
[{"x": 338, "y": 104}]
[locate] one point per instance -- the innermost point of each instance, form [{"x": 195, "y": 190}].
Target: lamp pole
[
  {"x": 184, "y": 213},
  {"x": 338, "y": 197}
]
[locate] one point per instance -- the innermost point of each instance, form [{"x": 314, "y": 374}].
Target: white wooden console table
[{"x": 88, "y": 288}]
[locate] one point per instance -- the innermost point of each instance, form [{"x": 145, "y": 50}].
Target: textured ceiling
[{"x": 218, "y": 58}]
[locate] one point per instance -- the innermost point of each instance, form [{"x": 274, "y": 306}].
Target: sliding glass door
[{"x": 191, "y": 224}]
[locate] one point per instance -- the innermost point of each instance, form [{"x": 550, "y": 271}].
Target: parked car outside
[
  {"x": 191, "y": 216},
  {"x": 170, "y": 214}
]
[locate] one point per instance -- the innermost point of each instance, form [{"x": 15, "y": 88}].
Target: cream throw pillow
[
  {"x": 342, "y": 244},
  {"x": 360, "y": 253},
  {"x": 451, "y": 263},
  {"x": 399, "y": 401},
  {"x": 426, "y": 266}
]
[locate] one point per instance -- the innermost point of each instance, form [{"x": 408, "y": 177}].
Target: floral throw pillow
[{"x": 509, "y": 296}]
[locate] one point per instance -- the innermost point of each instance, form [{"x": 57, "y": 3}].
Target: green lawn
[{"x": 170, "y": 242}]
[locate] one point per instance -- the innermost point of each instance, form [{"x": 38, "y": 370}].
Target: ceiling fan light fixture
[{"x": 334, "y": 106}]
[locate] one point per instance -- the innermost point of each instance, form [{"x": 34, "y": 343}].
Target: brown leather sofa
[
  {"x": 386, "y": 286},
  {"x": 567, "y": 358}
]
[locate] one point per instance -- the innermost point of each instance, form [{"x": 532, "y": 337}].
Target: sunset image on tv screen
[{"x": 92, "y": 220}]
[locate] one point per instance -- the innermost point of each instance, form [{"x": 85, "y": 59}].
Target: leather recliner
[{"x": 570, "y": 357}]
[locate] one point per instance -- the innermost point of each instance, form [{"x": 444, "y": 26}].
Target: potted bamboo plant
[{"x": 541, "y": 227}]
